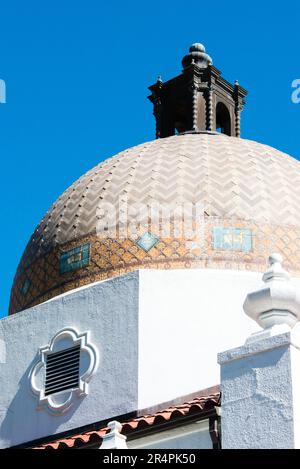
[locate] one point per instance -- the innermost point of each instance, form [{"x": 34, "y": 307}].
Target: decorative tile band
[
  {"x": 221, "y": 244},
  {"x": 75, "y": 258}
]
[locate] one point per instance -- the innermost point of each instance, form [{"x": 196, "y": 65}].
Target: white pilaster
[
  {"x": 261, "y": 394},
  {"x": 260, "y": 381}
]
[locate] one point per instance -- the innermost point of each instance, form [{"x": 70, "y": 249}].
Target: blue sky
[{"x": 77, "y": 75}]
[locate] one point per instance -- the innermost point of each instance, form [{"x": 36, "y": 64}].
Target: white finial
[
  {"x": 114, "y": 439},
  {"x": 277, "y": 303},
  {"x": 275, "y": 270},
  {"x": 275, "y": 257}
]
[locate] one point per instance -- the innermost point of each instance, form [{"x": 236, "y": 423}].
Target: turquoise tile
[
  {"x": 75, "y": 258},
  {"x": 25, "y": 286},
  {"x": 147, "y": 241},
  {"x": 232, "y": 239}
]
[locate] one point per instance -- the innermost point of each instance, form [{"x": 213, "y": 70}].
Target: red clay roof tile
[{"x": 195, "y": 406}]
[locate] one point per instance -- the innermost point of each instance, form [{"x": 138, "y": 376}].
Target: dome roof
[{"x": 249, "y": 195}]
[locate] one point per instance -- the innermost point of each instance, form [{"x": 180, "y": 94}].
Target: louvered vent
[{"x": 62, "y": 370}]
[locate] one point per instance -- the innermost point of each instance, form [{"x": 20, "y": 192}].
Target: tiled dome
[{"x": 250, "y": 194}]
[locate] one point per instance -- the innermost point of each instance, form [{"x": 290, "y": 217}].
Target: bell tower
[{"x": 197, "y": 100}]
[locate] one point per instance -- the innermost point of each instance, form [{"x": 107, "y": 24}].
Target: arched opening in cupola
[{"x": 223, "y": 121}]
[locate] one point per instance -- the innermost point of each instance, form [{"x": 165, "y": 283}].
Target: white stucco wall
[
  {"x": 260, "y": 394},
  {"x": 295, "y": 381},
  {"x": 158, "y": 334},
  {"x": 109, "y": 310},
  {"x": 185, "y": 319}
]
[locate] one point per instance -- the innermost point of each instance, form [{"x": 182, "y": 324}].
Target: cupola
[{"x": 197, "y": 100}]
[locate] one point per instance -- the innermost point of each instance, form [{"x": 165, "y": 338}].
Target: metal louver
[{"x": 62, "y": 370}]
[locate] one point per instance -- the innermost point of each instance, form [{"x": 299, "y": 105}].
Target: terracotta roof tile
[{"x": 174, "y": 412}]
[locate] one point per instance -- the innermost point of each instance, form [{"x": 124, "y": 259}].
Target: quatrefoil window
[{"x": 64, "y": 370}]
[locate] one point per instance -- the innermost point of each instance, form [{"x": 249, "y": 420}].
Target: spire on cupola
[{"x": 197, "y": 100}]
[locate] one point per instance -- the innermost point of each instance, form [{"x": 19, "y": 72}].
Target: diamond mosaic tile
[
  {"x": 147, "y": 241},
  {"x": 25, "y": 286}
]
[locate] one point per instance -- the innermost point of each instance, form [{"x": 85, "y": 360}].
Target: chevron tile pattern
[{"x": 239, "y": 183}]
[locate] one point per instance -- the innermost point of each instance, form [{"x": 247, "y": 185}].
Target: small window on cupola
[{"x": 223, "y": 121}]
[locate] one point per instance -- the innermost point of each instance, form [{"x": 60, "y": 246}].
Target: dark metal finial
[{"x": 197, "y": 56}]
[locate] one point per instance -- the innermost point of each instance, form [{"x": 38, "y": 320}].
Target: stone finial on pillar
[
  {"x": 114, "y": 439},
  {"x": 275, "y": 306},
  {"x": 260, "y": 381}
]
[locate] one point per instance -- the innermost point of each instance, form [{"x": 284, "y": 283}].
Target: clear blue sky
[{"x": 77, "y": 75}]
